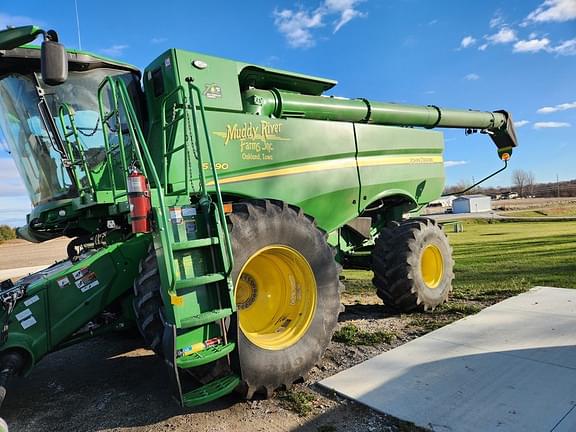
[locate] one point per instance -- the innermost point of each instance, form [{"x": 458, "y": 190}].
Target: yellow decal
[
  {"x": 176, "y": 300},
  {"x": 254, "y": 139},
  {"x": 366, "y": 161},
  {"x": 218, "y": 165}
]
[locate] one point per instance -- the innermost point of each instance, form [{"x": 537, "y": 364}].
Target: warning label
[{"x": 88, "y": 281}]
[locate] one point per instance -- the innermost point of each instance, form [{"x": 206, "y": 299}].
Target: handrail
[
  {"x": 220, "y": 204},
  {"x": 178, "y": 91},
  {"x": 104, "y": 117},
  {"x": 149, "y": 170},
  {"x": 67, "y": 110}
]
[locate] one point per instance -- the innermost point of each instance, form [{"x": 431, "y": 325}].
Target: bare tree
[
  {"x": 462, "y": 185},
  {"x": 530, "y": 182},
  {"x": 519, "y": 180}
]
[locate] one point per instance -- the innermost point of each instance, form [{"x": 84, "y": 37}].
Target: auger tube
[{"x": 279, "y": 103}]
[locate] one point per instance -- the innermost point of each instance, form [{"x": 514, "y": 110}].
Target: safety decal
[
  {"x": 24, "y": 314},
  {"x": 28, "y": 323},
  {"x": 63, "y": 282},
  {"x": 188, "y": 211},
  {"x": 31, "y": 301},
  {"x": 80, "y": 273},
  {"x": 176, "y": 215},
  {"x": 190, "y": 229},
  {"x": 88, "y": 281},
  {"x": 212, "y": 91}
]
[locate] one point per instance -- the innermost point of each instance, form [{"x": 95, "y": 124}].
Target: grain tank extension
[{"x": 212, "y": 204}]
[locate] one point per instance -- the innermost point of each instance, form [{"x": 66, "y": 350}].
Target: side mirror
[{"x": 54, "y": 60}]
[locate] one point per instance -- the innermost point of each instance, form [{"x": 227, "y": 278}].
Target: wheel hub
[
  {"x": 276, "y": 297},
  {"x": 432, "y": 266}
]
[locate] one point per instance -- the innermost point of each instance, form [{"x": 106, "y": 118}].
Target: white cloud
[
  {"x": 430, "y": 92},
  {"x": 346, "y": 10},
  {"x": 14, "y": 201},
  {"x": 10, "y": 182},
  {"x": 297, "y": 25},
  {"x": 504, "y": 35},
  {"x": 556, "y": 108},
  {"x": 114, "y": 50},
  {"x": 533, "y": 45},
  {"x": 553, "y": 11},
  {"x": 497, "y": 20},
  {"x": 565, "y": 48},
  {"x": 472, "y": 77},
  {"x": 18, "y": 20},
  {"x": 521, "y": 123},
  {"x": 483, "y": 47},
  {"x": 158, "y": 40},
  {"x": 452, "y": 163},
  {"x": 551, "y": 125},
  {"x": 13, "y": 210},
  {"x": 467, "y": 41}
]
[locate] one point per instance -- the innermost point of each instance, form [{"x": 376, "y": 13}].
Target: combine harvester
[{"x": 212, "y": 203}]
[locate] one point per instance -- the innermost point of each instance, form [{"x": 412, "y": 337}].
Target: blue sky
[{"x": 518, "y": 55}]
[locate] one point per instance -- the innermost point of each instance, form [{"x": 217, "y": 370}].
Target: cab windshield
[{"x": 30, "y": 132}]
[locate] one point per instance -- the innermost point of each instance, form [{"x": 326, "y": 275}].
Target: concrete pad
[
  {"x": 568, "y": 423},
  {"x": 17, "y": 273},
  {"x": 511, "y": 367}
]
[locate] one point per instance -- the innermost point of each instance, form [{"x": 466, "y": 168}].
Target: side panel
[
  {"x": 84, "y": 290},
  {"x": 309, "y": 163},
  {"x": 61, "y": 299},
  {"x": 394, "y": 160}
]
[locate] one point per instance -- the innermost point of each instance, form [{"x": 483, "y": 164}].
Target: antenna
[{"x": 78, "y": 25}]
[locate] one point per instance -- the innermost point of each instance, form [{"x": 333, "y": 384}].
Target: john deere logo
[{"x": 213, "y": 91}]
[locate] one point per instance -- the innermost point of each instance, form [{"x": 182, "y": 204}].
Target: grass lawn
[
  {"x": 501, "y": 259},
  {"x": 550, "y": 211}
]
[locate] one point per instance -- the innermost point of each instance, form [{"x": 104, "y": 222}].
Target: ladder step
[
  {"x": 211, "y": 391},
  {"x": 197, "y": 243},
  {"x": 199, "y": 280},
  {"x": 206, "y": 356},
  {"x": 204, "y": 318}
]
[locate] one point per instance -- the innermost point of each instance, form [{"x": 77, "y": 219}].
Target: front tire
[
  {"x": 147, "y": 302},
  {"x": 413, "y": 266},
  {"x": 287, "y": 292}
]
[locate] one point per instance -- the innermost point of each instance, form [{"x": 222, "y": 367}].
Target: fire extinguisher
[{"x": 139, "y": 200}]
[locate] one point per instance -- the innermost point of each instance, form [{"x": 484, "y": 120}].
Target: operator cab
[{"x": 31, "y": 125}]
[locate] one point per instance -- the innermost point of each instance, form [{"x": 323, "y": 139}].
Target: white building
[
  {"x": 472, "y": 204},
  {"x": 445, "y": 202}
]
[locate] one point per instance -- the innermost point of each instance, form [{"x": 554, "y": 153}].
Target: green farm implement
[{"x": 212, "y": 204}]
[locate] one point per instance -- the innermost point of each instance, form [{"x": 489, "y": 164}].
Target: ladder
[{"x": 193, "y": 249}]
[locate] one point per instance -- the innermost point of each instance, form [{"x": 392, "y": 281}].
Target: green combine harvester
[{"x": 212, "y": 204}]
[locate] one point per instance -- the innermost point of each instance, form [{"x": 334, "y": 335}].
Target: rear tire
[
  {"x": 147, "y": 302},
  {"x": 277, "y": 245},
  {"x": 413, "y": 266}
]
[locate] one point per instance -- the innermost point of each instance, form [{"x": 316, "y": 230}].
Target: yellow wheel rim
[
  {"x": 432, "y": 266},
  {"x": 276, "y": 297}
]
